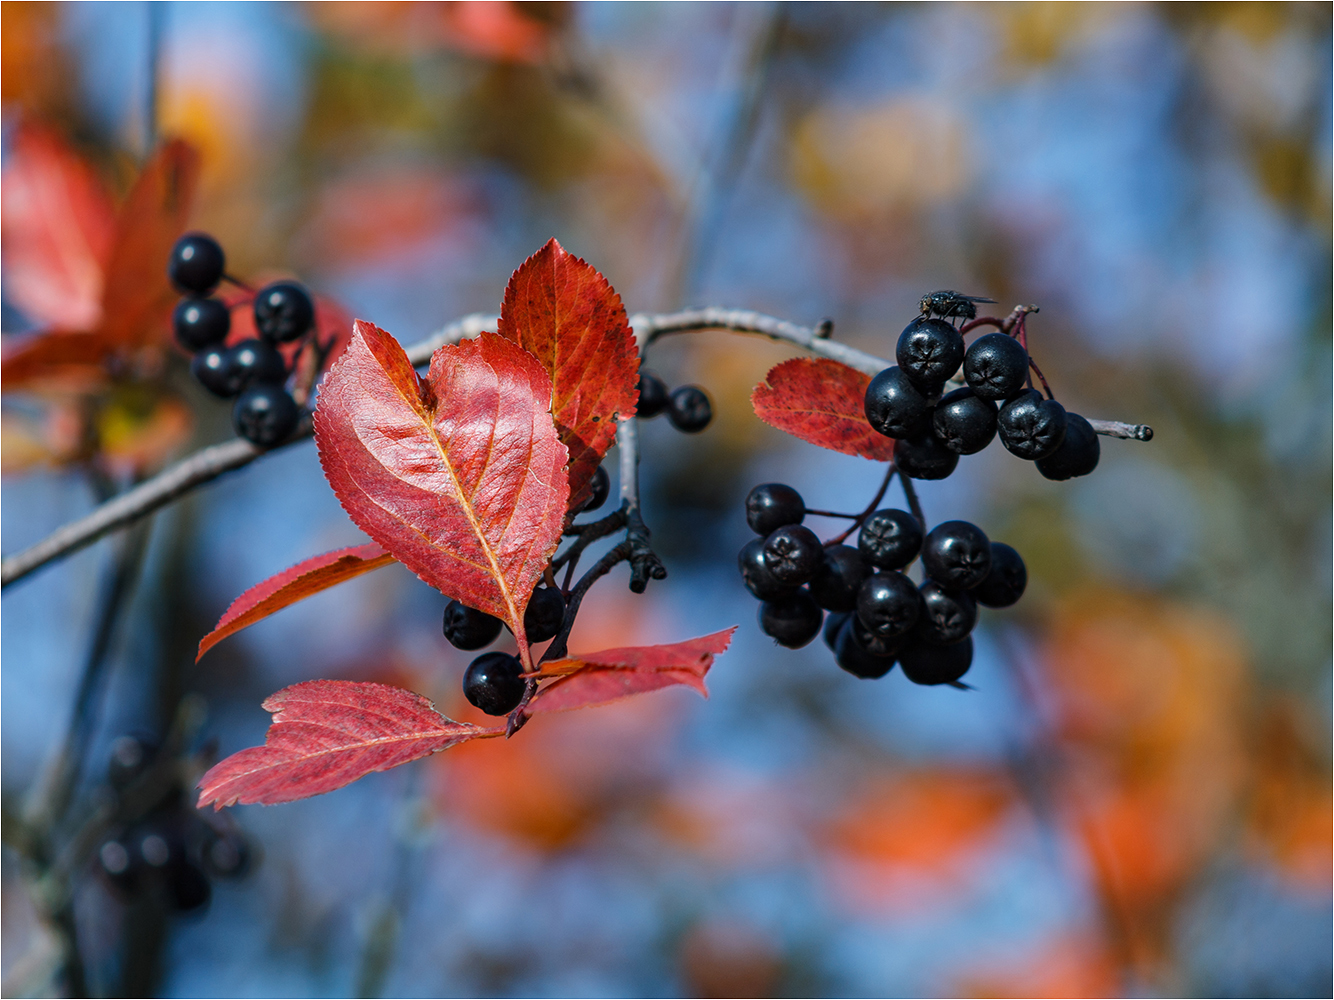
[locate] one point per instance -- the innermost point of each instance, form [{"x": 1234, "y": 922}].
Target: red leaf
[
  {"x": 597, "y": 678},
  {"x": 327, "y": 734},
  {"x": 461, "y": 476},
  {"x": 292, "y": 585},
  {"x": 567, "y": 316},
  {"x": 822, "y": 402},
  {"x": 68, "y": 358}
]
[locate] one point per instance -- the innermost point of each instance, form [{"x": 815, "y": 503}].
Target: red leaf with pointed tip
[
  {"x": 822, "y": 402},
  {"x": 460, "y": 476},
  {"x": 292, "y": 585},
  {"x": 327, "y": 734},
  {"x": 563, "y": 312},
  {"x": 597, "y": 678}
]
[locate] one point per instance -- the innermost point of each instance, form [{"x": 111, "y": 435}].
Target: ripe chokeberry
[
  {"x": 895, "y": 407},
  {"x": 833, "y": 623},
  {"x": 257, "y": 361},
  {"x": 652, "y": 395},
  {"x": 925, "y": 457},
  {"x": 1030, "y": 426},
  {"x": 544, "y": 615},
  {"x": 211, "y": 367},
  {"x": 855, "y": 658},
  {"x": 957, "y": 554},
  {"x": 924, "y": 663},
  {"x": 600, "y": 487},
  {"x": 877, "y": 645},
  {"x": 996, "y": 366},
  {"x": 839, "y": 578},
  {"x": 947, "y": 615},
  {"x": 890, "y": 538},
  {"x": 1077, "y": 454},
  {"x": 131, "y": 756},
  {"x": 265, "y": 414},
  {"x": 1006, "y": 581},
  {"x": 492, "y": 683},
  {"x": 793, "y": 554},
  {"x": 791, "y": 621},
  {"x": 929, "y": 351},
  {"x": 200, "y": 323},
  {"x": 467, "y": 628},
  {"x": 689, "y": 409},
  {"x": 964, "y": 422},
  {"x": 888, "y": 604},
  {"x": 196, "y": 264},
  {"x": 755, "y": 573},
  {"x": 769, "y": 506},
  {"x": 283, "y": 312}
]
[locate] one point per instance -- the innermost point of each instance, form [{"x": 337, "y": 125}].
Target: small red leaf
[
  {"x": 563, "y": 312},
  {"x": 822, "y": 402},
  {"x": 461, "y": 476},
  {"x": 597, "y": 678},
  {"x": 292, "y": 585},
  {"x": 327, "y": 734}
]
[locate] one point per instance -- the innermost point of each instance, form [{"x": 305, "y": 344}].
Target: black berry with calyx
[
  {"x": 890, "y": 538},
  {"x": 791, "y": 621},
  {"x": 755, "y": 573},
  {"x": 652, "y": 395},
  {"x": 925, "y": 457},
  {"x": 196, "y": 264},
  {"x": 888, "y": 604},
  {"x": 929, "y": 351},
  {"x": 265, "y": 414},
  {"x": 855, "y": 658},
  {"x": 213, "y": 370},
  {"x": 877, "y": 645},
  {"x": 1031, "y": 426},
  {"x": 895, "y": 407},
  {"x": 283, "y": 312},
  {"x": 833, "y": 624},
  {"x": 1006, "y": 581},
  {"x": 924, "y": 663},
  {"x": 256, "y": 361},
  {"x": 839, "y": 578},
  {"x": 769, "y": 506},
  {"x": 1077, "y": 454},
  {"x": 545, "y": 613},
  {"x": 947, "y": 615},
  {"x": 793, "y": 554},
  {"x": 996, "y": 366},
  {"x": 200, "y": 323},
  {"x": 689, "y": 409},
  {"x": 492, "y": 683},
  {"x": 957, "y": 554},
  {"x": 467, "y": 628},
  {"x": 964, "y": 422}
]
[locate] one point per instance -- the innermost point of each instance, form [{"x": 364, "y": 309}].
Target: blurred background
[{"x": 1135, "y": 800}]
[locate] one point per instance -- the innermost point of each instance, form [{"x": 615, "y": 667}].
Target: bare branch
[{"x": 1116, "y": 429}]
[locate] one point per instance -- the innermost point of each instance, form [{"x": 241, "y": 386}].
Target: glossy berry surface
[
  {"x": 839, "y": 578},
  {"x": 923, "y": 663},
  {"x": 895, "y": 407},
  {"x": 755, "y": 573},
  {"x": 856, "y": 659},
  {"x": 200, "y": 323},
  {"x": 212, "y": 369},
  {"x": 947, "y": 615},
  {"x": 265, "y": 414},
  {"x": 652, "y": 395},
  {"x": 196, "y": 264},
  {"x": 467, "y": 628},
  {"x": 833, "y": 624},
  {"x": 283, "y": 312},
  {"x": 769, "y": 506},
  {"x": 1077, "y": 454},
  {"x": 925, "y": 457},
  {"x": 1030, "y": 426},
  {"x": 929, "y": 351},
  {"x": 890, "y": 538},
  {"x": 996, "y": 366},
  {"x": 256, "y": 361},
  {"x": 793, "y": 554},
  {"x": 888, "y": 604},
  {"x": 964, "y": 422},
  {"x": 791, "y": 621},
  {"x": 689, "y": 409},
  {"x": 492, "y": 683},
  {"x": 545, "y": 612},
  {"x": 957, "y": 554},
  {"x": 878, "y": 645},
  {"x": 1006, "y": 581},
  {"x": 599, "y": 487}
]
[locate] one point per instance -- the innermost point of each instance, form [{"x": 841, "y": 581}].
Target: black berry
[
  {"x": 652, "y": 395},
  {"x": 545, "y": 613},
  {"x": 855, "y": 658},
  {"x": 256, "y": 361},
  {"x": 225, "y": 855},
  {"x": 600, "y": 488},
  {"x": 890, "y": 538},
  {"x": 200, "y": 323},
  {"x": 925, "y": 457},
  {"x": 769, "y": 506},
  {"x": 929, "y": 351},
  {"x": 996, "y": 366},
  {"x": 283, "y": 312},
  {"x": 755, "y": 573},
  {"x": 492, "y": 683},
  {"x": 964, "y": 422},
  {"x": 689, "y": 409},
  {"x": 265, "y": 414},
  {"x": 1031, "y": 426},
  {"x": 957, "y": 554},
  {"x": 793, "y": 554},
  {"x": 121, "y": 864},
  {"x": 947, "y": 615},
  {"x": 189, "y": 887},
  {"x": 131, "y": 756},
  {"x": 1005, "y": 583},
  {"x": 895, "y": 407},
  {"x": 791, "y": 621},
  {"x": 833, "y": 624},
  {"x": 1077, "y": 454},
  {"x": 839, "y": 578},
  {"x": 467, "y": 628},
  {"x": 924, "y": 663},
  {"x": 196, "y": 264},
  {"x": 888, "y": 604},
  {"x": 877, "y": 645},
  {"x": 212, "y": 368}
]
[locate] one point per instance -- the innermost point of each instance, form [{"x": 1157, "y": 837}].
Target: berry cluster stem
[{"x": 870, "y": 508}]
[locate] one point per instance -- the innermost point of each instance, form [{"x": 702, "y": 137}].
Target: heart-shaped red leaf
[
  {"x": 822, "y": 402},
  {"x": 597, "y": 678},
  {"x": 563, "y": 312},
  {"x": 461, "y": 477},
  {"x": 327, "y": 734},
  {"x": 291, "y": 585}
]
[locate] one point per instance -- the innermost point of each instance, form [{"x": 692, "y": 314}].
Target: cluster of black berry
[
  {"x": 879, "y": 616},
  {"x": 253, "y": 370},
  {"x": 687, "y": 407},
  {"x": 172, "y": 851}
]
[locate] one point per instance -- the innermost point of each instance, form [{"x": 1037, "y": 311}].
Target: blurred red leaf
[
  {"x": 597, "y": 678},
  {"x": 327, "y": 734},
  {"x": 822, "y": 402},
  {"x": 295, "y": 584},
  {"x": 70, "y": 358},
  {"x": 460, "y": 475},
  {"x": 566, "y": 315},
  {"x": 497, "y": 30}
]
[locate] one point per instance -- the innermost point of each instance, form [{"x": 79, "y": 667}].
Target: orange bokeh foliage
[
  {"x": 1068, "y": 965},
  {"x": 501, "y": 30}
]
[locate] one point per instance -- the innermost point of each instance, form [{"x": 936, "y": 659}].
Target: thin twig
[
  {"x": 914, "y": 505},
  {"x": 859, "y": 519},
  {"x": 644, "y": 562},
  {"x": 1117, "y": 429}
]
